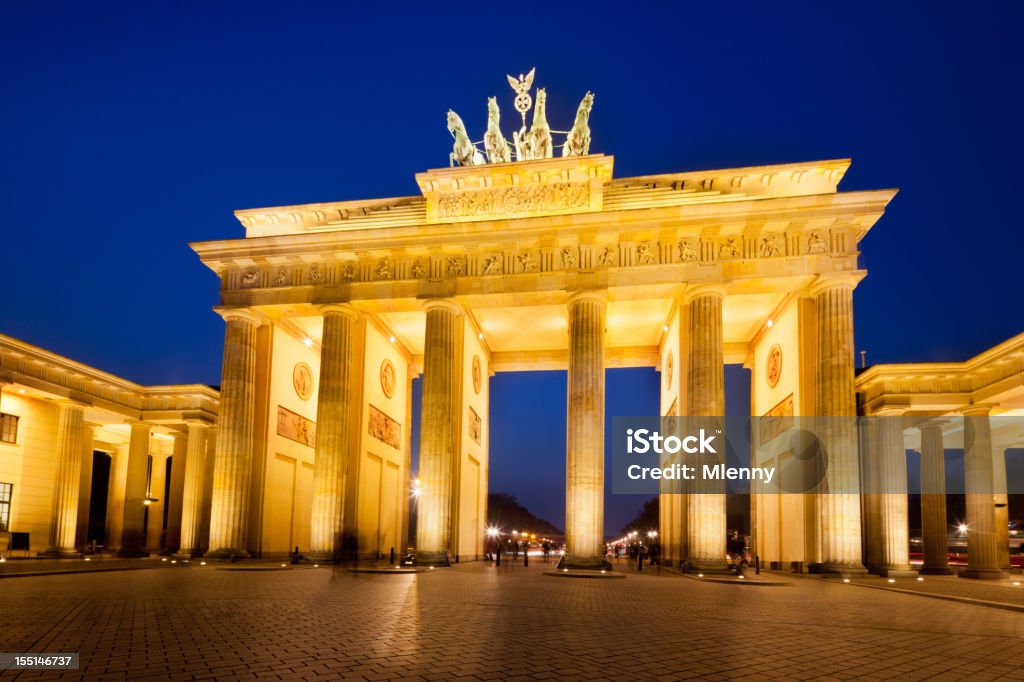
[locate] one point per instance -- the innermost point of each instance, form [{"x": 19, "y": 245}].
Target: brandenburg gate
[{"x": 547, "y": 262}]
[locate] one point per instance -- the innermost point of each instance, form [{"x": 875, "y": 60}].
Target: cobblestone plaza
[{"x": 478, "y": 622}]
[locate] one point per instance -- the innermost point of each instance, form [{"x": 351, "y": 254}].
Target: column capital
[
  {"x": 835, "y": 280},
  {"x": 197, "y": 423},
  {"x": 239, "y": 314},
  {"x": 346, "y": 309},
  {"x": 70, "y": 402},
  {"x": 890, "y": 411},
  {"x": 976, "y": 410},
  {"x": 702, "y": 290},
  {"x": 930, "y": 423},
  {"x": 449, "y": 304},
  {"x": 599, "y": 295}
]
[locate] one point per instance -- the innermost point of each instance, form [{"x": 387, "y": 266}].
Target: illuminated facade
[{"x": 544, "y": 264}]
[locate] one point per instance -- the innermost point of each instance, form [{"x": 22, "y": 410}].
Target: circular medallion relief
[
  {"x": 774, "y": 369},
  {"x": 387, "y": 378},
  {"x": 302, "y": 380},
  {"x": 477, "y": 374},
  {"x": 668, "y": 371}
]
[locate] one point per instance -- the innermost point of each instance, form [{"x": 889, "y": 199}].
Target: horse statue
[
  {"x": 494, "y": 141},
  {"x": 463, "y": 151},
  {"x": 577, "y": 143},
  {"x": 541, "y": 146}
]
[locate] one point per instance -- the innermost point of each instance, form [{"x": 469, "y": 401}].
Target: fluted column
[
  {"x": 705, "y": 390},
  {"x": 133, "y": 526},
  {"x": 85, "y": 486},
  {"x": 892, "y": 480},
  {"x": 232, "y": 470},
  {"x": 835, "y": 397},
  {"x": 64, "y": 512},
  {"x": 871, "y": 500},
  {"x": 437, "y": 434},
  {"x": 934, "y": 528},
  {"x": 982, "y": 557},
  {"x": 584, "y": 442},
  {"x": 1002, "y": 511},
  {"x": 115, "y": 496},
  {"x": 334, "y": 415},
  {"x": 172, "y": 541},
  {"x": 192, "y": 490}
]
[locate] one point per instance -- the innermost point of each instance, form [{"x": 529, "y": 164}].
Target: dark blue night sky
[{"x": 129, "y": 129}]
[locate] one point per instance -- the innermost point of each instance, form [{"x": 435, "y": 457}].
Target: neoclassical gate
[{"x": 332, "y": 309}]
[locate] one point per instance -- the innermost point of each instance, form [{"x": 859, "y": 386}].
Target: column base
[
  {"x": 898, "y": 571},
  {"x": 59, "y": 553},
  {"x": 132, "y": 553},
  {"x": 187, "y": 554},
  {"x": 982, "y": 573},
  {"x": 432, "y": 559},
  {"x": 709, "y": 567},
  {"x": 851, "y": 570},
  {"x": 584, "y": 563},
  {"x": 936, "y": 570},
  {"x": 228, "y": 553},
  {"x": 325, "y": 557}
]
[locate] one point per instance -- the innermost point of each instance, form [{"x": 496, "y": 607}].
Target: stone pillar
[
  {"x": 892, "y": 480},
  {"x": 705, "y": 390},
  {"x": 982, "y": 557},
  {"x": 334, "y": 421},
  {"x": 64, "y": 512},
  {"x": 172, "y": 542},
  {"x": 1002, "y": 511},
  {"x": 584, "y": 441},
  {"x": 133, "y": 526},
  {"x": 839, "y": 502},
  {"x": 437, "y": 434},
  {"x": 211, "y": 456},
  {"x": 115, "y": 496},
  {"x": 934, "y": 529},
  {"x": 871, "y": 502},
  {"x": 192, "y": 490},
  {"x": 85, "y": 486},
  {"x": 232, "y": 470}
]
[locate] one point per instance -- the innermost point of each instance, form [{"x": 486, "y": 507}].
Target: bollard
[
  {"x": 498, "y": 562},
  {"x": 757, "y": 565},
  {"x": 392, "y": 556},
  {"x": 639, "y": 561},
  {"x": 526, "y": 556}
]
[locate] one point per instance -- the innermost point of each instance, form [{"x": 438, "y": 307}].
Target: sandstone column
[
  {"x": 892, "y": 482},
  {"x": 115, "y": 496},
  {"x": 192, "y": 490},
  {"x": 437, "y": 434},
  {"x": 871, "y": 502},
  {"x": 232, "y": 469},
  {"x": 1002, "y": 511},
  {"x": 834, "y": 396},
  {"x": 584, "y": 442},
  {"x": 934, "y": 529},
  {"x": 133, "y": 526},
  {"x": 982, "y": 557},
  {"x": 334, "y": 420},
  {"x": 64, "y": 512},
  {"x": 705, "y": 389},
  {"x": 179, "y": 454},
  {"x": 85, "y": 486}
]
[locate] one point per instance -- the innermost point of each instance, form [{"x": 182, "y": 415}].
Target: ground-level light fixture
[
  {"x": 392, "y": 338},
  {"x": 771, "y": 323},
  {"x": 480, "y": 336},
  {"x": 308, "y": 341}
]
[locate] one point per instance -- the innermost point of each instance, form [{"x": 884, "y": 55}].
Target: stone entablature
[
  {"x": 581, "y": 184},
  {"x": 763, "y": 222},
  {"x": 995, "y": 377},
  {"x": 28, "y": 365}
]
